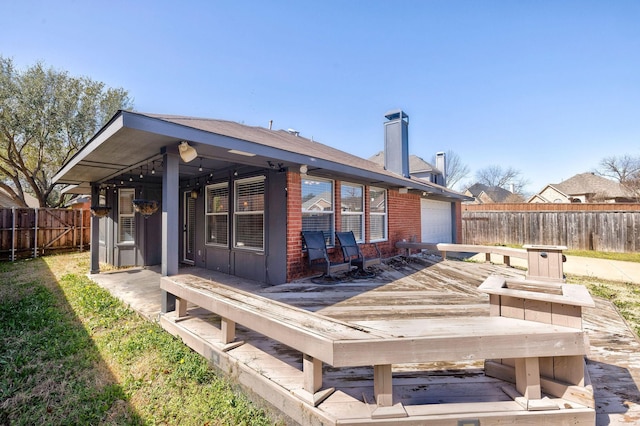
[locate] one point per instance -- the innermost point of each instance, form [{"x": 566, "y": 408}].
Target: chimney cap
[{"x": 395, "y": 114}]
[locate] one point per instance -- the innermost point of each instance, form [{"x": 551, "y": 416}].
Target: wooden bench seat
[
  {"x": 506, "y": 252},
  {"x": 383, "y": 343}
]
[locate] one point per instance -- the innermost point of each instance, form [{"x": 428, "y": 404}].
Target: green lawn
[{"x": 72, "y": 354}]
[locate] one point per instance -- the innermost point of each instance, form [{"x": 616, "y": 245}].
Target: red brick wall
[
  {"x": 403, "y": 215},
  {"x": 404, "y": 219},
  {"x": 295, "y": 266},
  {"x": 458, "y": 238}
]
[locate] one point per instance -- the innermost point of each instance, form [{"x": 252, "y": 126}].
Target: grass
[
  {"x": 624, "y": 295},
  {"x": 626, "y": 257},
  {"x": 73, "y": 354}
]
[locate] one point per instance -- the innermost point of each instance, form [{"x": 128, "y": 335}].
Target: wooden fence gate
[{"x": 26, "y": 232}]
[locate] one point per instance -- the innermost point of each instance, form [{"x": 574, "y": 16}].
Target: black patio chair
[
  {"x": 351, "y": 252},
  {"x": 319, "y": 257}
]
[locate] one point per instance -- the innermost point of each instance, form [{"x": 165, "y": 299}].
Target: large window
[
  {"x": 378, "y": 214},
  {"x": 249, "y": 213},
  {"x": 317, "y": 207},
  {"x": 352, "y": 207},
  {"x": 126, "y": 216},
  {"x": 217, "y": 214}
]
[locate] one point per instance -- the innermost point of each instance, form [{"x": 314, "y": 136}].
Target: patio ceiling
[{"x": 133, "y": 143}]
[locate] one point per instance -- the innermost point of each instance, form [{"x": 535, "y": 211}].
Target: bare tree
[
  {"x": 497, "y": 176},
  {"x": 455, "y": 170},
  {"x": 625, "y": 169}
]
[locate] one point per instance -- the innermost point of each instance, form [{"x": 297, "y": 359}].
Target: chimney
[
  {"x": 441, "y": 164},
  {"x": 396, "y": 142}
]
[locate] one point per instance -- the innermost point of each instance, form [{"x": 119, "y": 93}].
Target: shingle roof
[
  {"x": 416, "y": 164},
  {"x": 589, "y": 183},
  {"x": 280, "y": 139}
]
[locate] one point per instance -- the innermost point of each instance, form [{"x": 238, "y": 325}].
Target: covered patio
[{"x": 421, "y": 287}]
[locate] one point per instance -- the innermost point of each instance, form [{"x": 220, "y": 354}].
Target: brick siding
[{"x": 403, "y": 216}]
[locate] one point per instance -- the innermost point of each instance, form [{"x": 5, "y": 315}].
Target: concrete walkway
[{"x": 612, "y": 270}]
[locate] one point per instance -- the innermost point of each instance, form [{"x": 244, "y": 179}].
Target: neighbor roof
[
  {"x": 590, "y": 183},
  {"x": 416, "y": 164},
  {"x": 132, "y": 139}
]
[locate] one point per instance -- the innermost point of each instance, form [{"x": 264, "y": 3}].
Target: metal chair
[
  {"x": 351, "y": 252},
  {"x": 318, "y": 255}
]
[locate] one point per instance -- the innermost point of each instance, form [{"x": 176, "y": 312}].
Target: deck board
[{"x": 427, "y": 288}]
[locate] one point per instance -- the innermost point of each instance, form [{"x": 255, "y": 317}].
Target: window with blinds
[
  {"x": 249, "y": 213},
  {"x": 126, "y": 216},
  {"x": 217, "y": 214},
  {"x": 352, "y": 209},
  {"x": 378, "y": 214},
  {"x": 317, "y": 207}
]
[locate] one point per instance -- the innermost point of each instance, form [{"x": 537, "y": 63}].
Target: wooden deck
[{"x": 421, "y": 288}]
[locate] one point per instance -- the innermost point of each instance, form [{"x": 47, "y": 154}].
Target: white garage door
[{"x": 436, "y": 221}]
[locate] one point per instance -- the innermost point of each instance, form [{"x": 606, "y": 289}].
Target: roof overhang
[{"x": 133, "y": 140}]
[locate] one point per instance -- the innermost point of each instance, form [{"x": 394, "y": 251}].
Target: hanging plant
[
  {"x": 100, "y": 211},
  {"x": 145, "y": 207}
]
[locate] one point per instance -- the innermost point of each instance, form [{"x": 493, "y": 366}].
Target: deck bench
[
  {"x": 544, "y": 262},
  {"x": 506, "y": 252},
  {"x": 322, "y": 339}
]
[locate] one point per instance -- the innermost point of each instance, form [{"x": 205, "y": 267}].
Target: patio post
[
  {"x": 170, "y": 221},
  {"x": 95, "y": 232}
]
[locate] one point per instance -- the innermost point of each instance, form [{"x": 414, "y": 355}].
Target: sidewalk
[{"x": 613, "y": 270}]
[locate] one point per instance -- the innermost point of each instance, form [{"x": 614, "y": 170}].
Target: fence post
[
  {"x": 35, "y": 234},
  {"x": 81, "y": 230},
  {"x": 13, "y": 234}
]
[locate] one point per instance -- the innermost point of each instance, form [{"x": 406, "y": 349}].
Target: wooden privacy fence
[
  {"x": 600, "y": 227},
  {"x": 26, "y": 232}
]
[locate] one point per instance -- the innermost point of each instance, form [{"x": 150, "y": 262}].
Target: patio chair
[
  {"x": 351, "y": 252},
  {"x": 319, "y": 257}
]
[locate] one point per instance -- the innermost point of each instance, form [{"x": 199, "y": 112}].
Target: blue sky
[{"x": 546, "y": 87}]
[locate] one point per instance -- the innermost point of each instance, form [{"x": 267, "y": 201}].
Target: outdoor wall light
[
  {"x": 304, "y": 169},
  {"x": 187, "y": 153}
]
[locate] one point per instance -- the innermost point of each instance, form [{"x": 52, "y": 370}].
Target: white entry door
[{"x": 436, "y": 217}]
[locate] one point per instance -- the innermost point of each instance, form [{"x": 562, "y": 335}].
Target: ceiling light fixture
[
  {"x": 238, "y": 152},
  {"x": 187, "y": 153}
]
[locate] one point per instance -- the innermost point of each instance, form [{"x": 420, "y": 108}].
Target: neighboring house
[
  {"x": 583, "y": 188},
  {"x": 79, "y": 202},
  {"x": 484, "y": 194},
  {"x": 437, "y": 216},
  {"x": 419, "y": 168},
  {"x": 6, "y": 201},
  {"x": 235, "y": 198}
]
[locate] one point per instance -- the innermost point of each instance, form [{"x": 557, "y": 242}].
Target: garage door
[{"x": 436, "y": 221}]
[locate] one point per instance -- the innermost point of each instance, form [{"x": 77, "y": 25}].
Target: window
[
  {"x": 126, "y": 216},
  {"x": 317, "y": 207},
  {"x": 249, "y": 213},
  {"x": 378, "y": 214},
  {"x": 352, "y": 207},
  {"x": 217, "y": 214}
]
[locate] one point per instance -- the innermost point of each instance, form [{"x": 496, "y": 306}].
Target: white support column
[{"x": 170, "y": 222}]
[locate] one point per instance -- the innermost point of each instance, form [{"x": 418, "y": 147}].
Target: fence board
[
  {"x": 601, "y": 227},
  {"x": 37, "y": 232}
]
